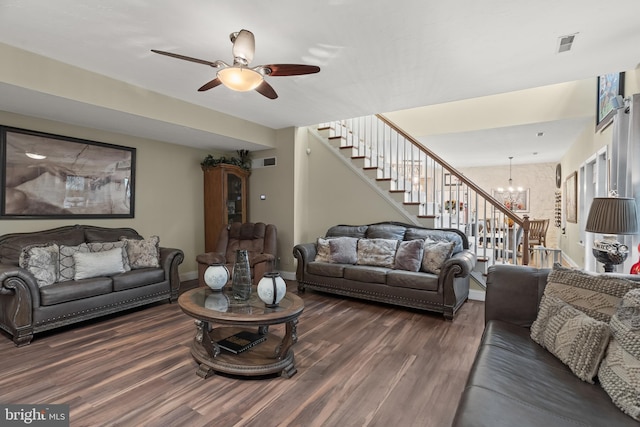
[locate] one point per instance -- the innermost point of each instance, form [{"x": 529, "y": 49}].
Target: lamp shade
[
  {"x": 613, "y": 215},
  {"x": 240, "y": 78}
]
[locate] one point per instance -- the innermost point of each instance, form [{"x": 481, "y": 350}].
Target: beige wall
[{"x": 168, "y": 193}]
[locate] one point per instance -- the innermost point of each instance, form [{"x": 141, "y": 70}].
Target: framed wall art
[
  {"x": 517, "y": 200},
  {"x": 52, "y": 176},
  {"x": 609, "y": 86},
  {"x": 571, "y": 198}
]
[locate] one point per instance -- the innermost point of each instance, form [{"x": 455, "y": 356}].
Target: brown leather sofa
[
  {"x": 443, "y": 293},
  {"x": 26, "y": 308},
  {"x": 259, "y": 239},
  {"x": 516, "y": 382}
]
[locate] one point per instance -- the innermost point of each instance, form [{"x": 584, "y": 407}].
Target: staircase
[{"x": 429, "y": 190}]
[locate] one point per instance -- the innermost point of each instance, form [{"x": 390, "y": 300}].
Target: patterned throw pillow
[
  {"x": 107, "y": 246},
  {"x": 409, "y": 255},
  {"x": 619, "y": 372},
  {"x": 595, "y": 295},
  {"x": 377, "y": 252},
  {"x": 435, "y": 254},
  {"x": 67, "y": 263},
  {"x": 323, "y": 251},
  {"x": 578, "y": 340},
  {"x": 41, "y": 260},
  {"x": 143, "y": 253}
]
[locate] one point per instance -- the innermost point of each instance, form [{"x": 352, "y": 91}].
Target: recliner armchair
[{"x": 259, "y": 239}]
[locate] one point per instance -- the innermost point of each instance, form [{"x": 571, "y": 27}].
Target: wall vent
[
  {"x": 263, "y": 162},
  {"x": 565, "y": 43}
]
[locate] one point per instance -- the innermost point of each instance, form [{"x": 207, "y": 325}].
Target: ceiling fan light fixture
[{"x": 240, "y": 79}]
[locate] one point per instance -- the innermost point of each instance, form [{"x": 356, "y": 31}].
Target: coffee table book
[{"x": 241, "y": 341}]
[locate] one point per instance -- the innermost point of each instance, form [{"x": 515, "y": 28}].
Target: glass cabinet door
[{"x": 234, "y": 198}]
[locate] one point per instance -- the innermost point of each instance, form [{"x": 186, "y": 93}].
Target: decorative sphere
[
  {"x": 271, "y": 289},
  {"x": 217, "y": 302},
  {"x": 216, "y": 276}
]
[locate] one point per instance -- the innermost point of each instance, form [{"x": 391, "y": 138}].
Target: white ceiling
[{"x": 375, "y": 55}]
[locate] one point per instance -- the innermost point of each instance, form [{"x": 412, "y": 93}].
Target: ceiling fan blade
[
  {"x": 244, "y": 45},
  {"x": 213, "y": 83},
  {"x": 186, "y": 58},
  {"x": 266, "y": 90},
  {"x": 291, "y": 69}
]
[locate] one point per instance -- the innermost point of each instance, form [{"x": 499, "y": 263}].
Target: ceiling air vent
[
  {"x": 565, "y": 43},
  {"x": 263, "y": 163}
]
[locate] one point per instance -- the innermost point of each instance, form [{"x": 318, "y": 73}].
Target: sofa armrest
[
  {"x": 514, "y": 293},
  {"x": 19, "y": 294},
  {"x": 461, "y": 263},
  {"x": 170, "y": 259},
  {"x": 304, "y": 253}
]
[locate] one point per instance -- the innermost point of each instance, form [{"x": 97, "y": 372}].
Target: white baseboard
[
  {"x": 288, "y": 275},
  {"x": 476, "y": 295},
  {"x": 189, "y": 275}
]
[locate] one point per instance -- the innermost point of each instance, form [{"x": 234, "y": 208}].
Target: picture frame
[
  {"x": 609, "y": 86},
  {"x": 450, "y": 180},
  {"x": 517, "y": 200},
  {"x": 571, "y": 198},
  {"x": 46, "y": 176}
]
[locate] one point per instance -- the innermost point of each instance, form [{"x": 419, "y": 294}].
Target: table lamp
[{"x": 611, "y": 216}]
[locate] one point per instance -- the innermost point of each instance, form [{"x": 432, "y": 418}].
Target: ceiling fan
[{"x": 239, "y": 76}]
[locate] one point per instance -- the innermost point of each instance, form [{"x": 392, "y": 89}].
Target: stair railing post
[{"x": 525, "y": 240}]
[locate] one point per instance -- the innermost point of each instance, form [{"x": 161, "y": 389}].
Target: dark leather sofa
[
  {"x": 26, "y": 308},
  {"x": 516, "y": 382},
  {"x": 443, "y": 293}
]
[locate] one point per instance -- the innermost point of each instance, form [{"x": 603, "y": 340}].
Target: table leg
[
  {"x": 290, "y": 338},
  {"x": 211, "y": 346}
]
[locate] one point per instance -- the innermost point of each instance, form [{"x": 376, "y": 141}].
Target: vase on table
[{"x": 241, "y": 282}]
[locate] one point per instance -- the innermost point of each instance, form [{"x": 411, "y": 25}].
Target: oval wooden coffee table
[{"x": 272, "y": 356}]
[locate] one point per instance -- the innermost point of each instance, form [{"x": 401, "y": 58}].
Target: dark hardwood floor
[{"x": 359, "y": 364}]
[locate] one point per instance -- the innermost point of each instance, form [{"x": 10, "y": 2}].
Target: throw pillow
[
  {"x": 377, "y": 252},
  {"x": 96, "y": 264},
  {"x": 143, "y": 253},
  {"x": 67, "y": 263},
  {"x": 595, "y": 295},
  {"x": 578, "y": 340},
  {"x": 409, "y": 255},
  {"x": 435, "y": 254},
  {"x": 619, "y": 372},
  {"x": 323, "y": 253},
  {"x": 41, "y": 260},
  {"x": 343, "y": 250},
  {"x": 107, "y": 246}
]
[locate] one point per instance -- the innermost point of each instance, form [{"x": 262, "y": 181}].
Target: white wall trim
[
  {"x": 476, "y": 295},
  {"x": 288, "y": 275}
]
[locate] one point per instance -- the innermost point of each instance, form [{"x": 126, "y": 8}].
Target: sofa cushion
[
  {"x": 11, "y": 245},
  {"x": 578, "y": 340},
  {"x": 357, "y": 231},
  {"x": 96, "y": 264},
  {"x": 366, "y": 274},
  {"x": 94, "y": 234},
  {"x": 435, "y": 254},
  {"x": 593, "y": 294},
  {"x": 143, "y": 253},
  {"x": 106, "y": 246},
  {"x": 619, "y": 373},
  {"x": 409, "y": 255},
  {"x": 41, "y": 260},
  {"x": 72, "y": 290},
  {"x": 515, "y": 382},
  {"x": 436, "y": 236},
  {"x": 377, "y": 252},
  {"x": 136, "y": 278},
  {"x": 326, "y": 269},
  {"x": 67, "y": 263},
  {"x": 413, "y": 280},
  {"x": 386, "y": 231}
]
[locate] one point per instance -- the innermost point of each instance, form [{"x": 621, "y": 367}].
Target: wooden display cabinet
[{"x": 225, "y": 200}]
